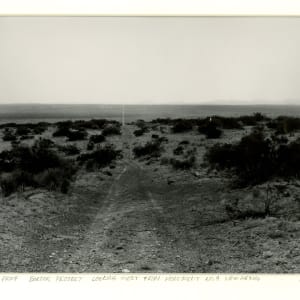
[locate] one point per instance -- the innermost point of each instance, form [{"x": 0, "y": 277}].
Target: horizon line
[{"x": 154, "y": 104}]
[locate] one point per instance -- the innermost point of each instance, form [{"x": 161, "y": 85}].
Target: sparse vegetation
[
  {"x": 26, "y": 165},
  {"x": 257, "y": 158},
  {"x": 70, "y": 149},
  {"x": 9, "y": 135},
  {"x": 97, "y": 138},
  {"x": 184, "y": 163},
  {"x": 210, "y": 130},
  {"x": 182, "y": 125},
  {"x": 111, "y": 130},
  {"x": 101, "y": 157},
  {"x": 152, "y": 148}
]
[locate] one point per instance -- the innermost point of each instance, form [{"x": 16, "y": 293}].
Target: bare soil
[{"x": 149, "y": 218}]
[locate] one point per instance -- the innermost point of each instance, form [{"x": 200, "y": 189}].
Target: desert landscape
[{"x": 208, "y": 194}]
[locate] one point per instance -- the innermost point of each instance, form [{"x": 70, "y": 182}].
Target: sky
[{"x": 150, "y": 60}]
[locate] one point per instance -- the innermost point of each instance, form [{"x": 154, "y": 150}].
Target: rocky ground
[{"x": 143, "y": 216}]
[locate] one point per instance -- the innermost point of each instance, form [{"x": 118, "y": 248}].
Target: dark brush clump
[
  {"x": 152, "y": 148},
  {"x": 182, "y": 125},
  {"x": 70, "y": 149},
  {"x": 97, "y": 138},
  {"x": 256, "y": 158},
  {"x": 284, "y": 124},
  {"x": 112, "y": 129},
  {"x": 183, "y": 164},
  {"x": 210, "y": 130},
  {"x": 101, "y": 157},
  {"x": 34, "y": 167}
]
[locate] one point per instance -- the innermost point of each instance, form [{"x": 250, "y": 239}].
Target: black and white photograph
[{"x": 149, "y": 144}]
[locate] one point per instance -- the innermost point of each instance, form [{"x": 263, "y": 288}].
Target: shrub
[
  {"x": 183, "y": 164},
  {"x": 255, "y": 158},
  {"x": 9, "y": 136},
  {"x": 26, "y": 137},
  {"x": 101, "y": 157},
  {"x": 13, "y": 181},
  {"x": 23, "y": 130},
  {"x": 178, "y": 150},
  {"x": 61, "y": 132},
  {"x": 162, "y": 139},
  {"x": 90, "y": 146},
  {"x": 229, "y": 122},
  {"x": 45, "y": 143},
  {"x": 97, "y": 138},
  {"x": 182, "y": 125},
  {"x": 53, "y": 179},
  {"x": 165, "y": 161},
  {"x": 139, "y": 132},
  {"x": 28, "y": 166},
  {"x": 76, "y": 135},
  {"x": 151, "y": 148},
  {"x": 141, "y": 124},
  {"x": 284, "y": 125},
  {"x": 40, "y": 127},
  {"x": 252, "y": 119},
  {"x": 111, "y": 130},
  {"x": 210, "y": 130},
  {"x": 70, "y": 149}
]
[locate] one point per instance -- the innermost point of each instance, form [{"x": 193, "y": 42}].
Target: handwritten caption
[{"x": 98, "y": 278}]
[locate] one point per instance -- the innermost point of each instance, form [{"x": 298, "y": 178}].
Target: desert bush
[
  {"x": 9, "y": 136},
  {"x": 45, "y": 143},
  {"x": 165, "y": 161},
  {"x": 53, "y": 179},
  {"x": 284, "y": 124},
  {"x": 141, "y": 124},
  {"x": 111, "y": 130},
  {"x": 27, "y": 165},
  {"x": 101, "y": 157},
  {"x": 139, "y": 132},
  {"x": 152, "y": 148},
  {"x": 26, "y": 137},
  {"x": 61, "y": 132},
  {"x": 183, "y": 164},
  {"x": 23, "y": 130},
  {"x": 210, "y": 130},
  {"x": 288, "y": 159},
  {"x": 89, "y": 124},
  {"x": 40, "y": 127},
  {"x": 16, "y": 180},
  {"x": 178, "y": 150},
  {"x": 90, "y": 146},
  {"x": 70, "y": 149},
  {"x": 182, "y": 125},
  {"x": 162, "y": 139},
  {"x": 256, "y": 159},
  {"x": 163, "y": 121},
  {"x": 97, "y": 138},
  {"x": 77, "y": 135},
  {"x": 252, "y": 119},
  {"x": 229, "y": 122}
]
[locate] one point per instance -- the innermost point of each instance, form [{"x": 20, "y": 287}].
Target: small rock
[{"x": 267, "y": 254}]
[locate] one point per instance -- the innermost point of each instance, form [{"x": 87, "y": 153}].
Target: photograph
[{"x": 163, "y": 144}]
